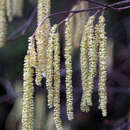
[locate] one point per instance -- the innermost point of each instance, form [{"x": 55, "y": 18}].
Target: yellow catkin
[
  {"x": 18, "y": 7},
  {"x": 28, "y": 90},
  {"x": 80, "y": 20},
  {"x": 2, "y": 22},
  {"x": 32, "y": 52},
  {"x": 57, "y": 118},
  {"x": 84, "y": 68},
  {"x": 102, "y": 65},
  {"x": 42, "y": 38},
  {"x": 9, "y": 6},
  {"x": 68, "y": 64},
  {"x": 91, "y": 60},
  {"x": 49, "y": 76}
]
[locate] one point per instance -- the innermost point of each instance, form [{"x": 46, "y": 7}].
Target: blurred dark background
[{"x": 118, "y": 76}]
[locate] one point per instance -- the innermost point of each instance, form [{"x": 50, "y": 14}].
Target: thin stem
[
  {"x": 120, "y": 3},
  {"x": 65, "y": 19},
  {"x": 105, "y": 6},
  {"x": 102, "y": 4},
  {"x": 124, "y": 8},
  {"x": 68, "y": 11}
]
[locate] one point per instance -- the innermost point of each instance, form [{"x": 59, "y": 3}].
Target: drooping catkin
[
  {"x": 9, "y": 7},
  {"x": 102, "y": 40},
  {"x": 42, "y": 39},
  {"x": 80, "y": 20},
  {"x": 91, "y": 60},
  {"x": 50, "y": 61},
  {"x": 2, "y": 22},
  {"x": 28, "y": 90},
  {"x": 84, "y": 68},
  {"x": 32, "y": 51},
  {"x": 18, "y": 7},
  {"x": 68, "y": 64},
  {"x": 57, "y": 118}
]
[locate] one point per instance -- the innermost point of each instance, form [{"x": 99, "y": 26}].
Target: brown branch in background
[
  {"x": 104, "y": 7},
  {"x": 23, "y": 28}
]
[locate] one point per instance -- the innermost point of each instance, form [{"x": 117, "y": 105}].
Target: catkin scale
[
  {"x": 68, "y": 64},
  {"x": 2, "y": 22},
  {"x": 102, "y": 40},
  {"x": 57, "y": 118},
  {"x": 28, "y": 90}
]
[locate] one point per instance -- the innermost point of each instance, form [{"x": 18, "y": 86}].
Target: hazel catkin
[
  {"x": 102, "y": 40},
  {"x": 50, "y": 66},
  {"x": 2, "y": 22},
  {"x": 28, "y": 90},
  {"x": 57, "y": 118},
  {"x": 68, "y": 64},
  {"x": 84, "y": 68}
]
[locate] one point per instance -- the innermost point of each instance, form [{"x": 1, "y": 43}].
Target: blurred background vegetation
[{"x": 118, "y": 79}]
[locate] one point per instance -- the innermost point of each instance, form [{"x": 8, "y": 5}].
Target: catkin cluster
[
  {"x": 93, "y": 47},
  {"x": 43, "y": 58}
]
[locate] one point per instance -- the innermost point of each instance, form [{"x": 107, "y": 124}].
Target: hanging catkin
[
  {"x": 50, "y": 61},
  {"x": 9, "y": 7},
  {"x": 84, "y": 68},
  {"x": 57, "y": 118},
  {"x": 42, "y": 39},
  {"x": 91, "y": 60},
  {"x": 79, "y": 21},
  {"x": 68, "y": 64},
  {"x": 102, "y": 40},
  {"x": 18, "y": 7},
  {"x": 27, "y": 112},
  {"x": 2, "y": 22}
]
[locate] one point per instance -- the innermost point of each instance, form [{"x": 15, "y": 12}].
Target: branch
[
  {"x": 23, "y": 28},
  {"x": 102, "y": 4}
]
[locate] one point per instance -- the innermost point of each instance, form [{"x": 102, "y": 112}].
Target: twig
[
  {"x": 24, "y": 27},
  {"x": 102, "y": 4},
  {"x": 29, "y": 21},
  {"x": 121, "y": 2}
]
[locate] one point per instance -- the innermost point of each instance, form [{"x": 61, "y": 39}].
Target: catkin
[
  {"x": 68, "y": 64},
  {"x": 84, "y": 68},
  {"x": 42, "y": 39},
  {"x": 91, "y": 60},
  {"x": 102, "y": 40},
  {"x": 50, "y": 61},
  {"x": 32, "y": 52},
  {"x": 18, "y": 7},
  {"x": 2, "y": 23},
  {"x": 28, "y": 90},
  {"x": 80, "y": 20},
  {"x": 9, "y": 6},
  {"x": 57, "y": 118}
]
